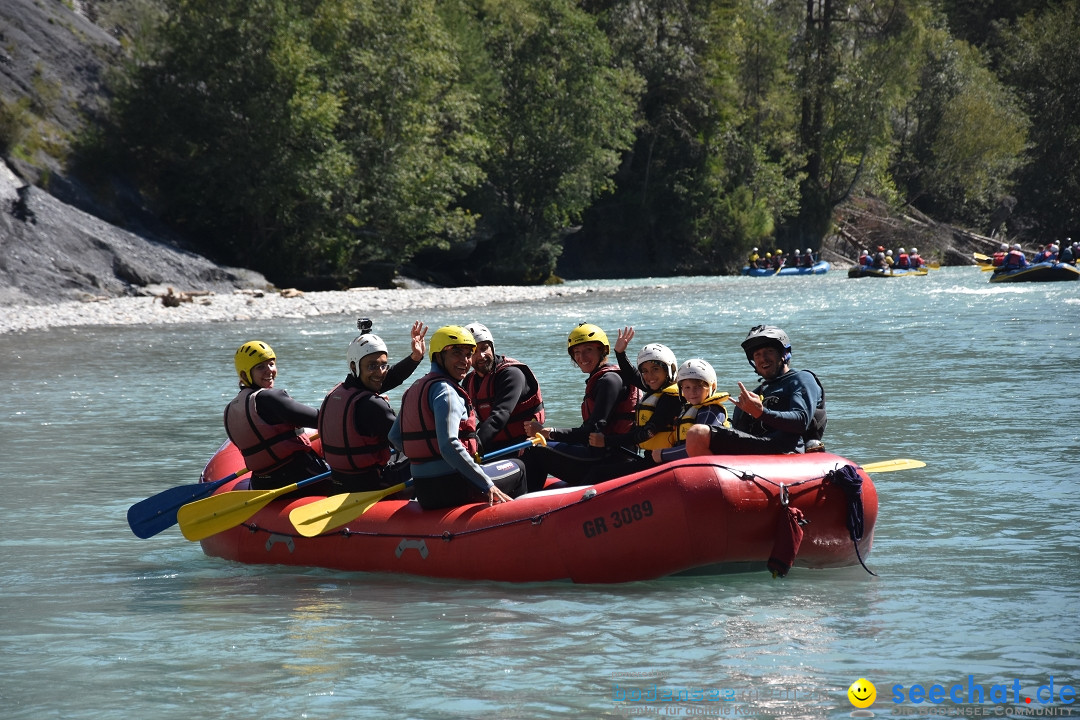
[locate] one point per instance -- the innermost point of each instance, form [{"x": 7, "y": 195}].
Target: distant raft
[
  {"x": 695, "y": 516},
  {"x": 819, "y": 268},
  {"x": 859, "y": 271},
  {"x": 1038, "y": 272}
]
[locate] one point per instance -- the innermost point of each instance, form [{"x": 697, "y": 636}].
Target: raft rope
[
  {"x": 854, "y": 498},
  {"x": 849, "y": 480},
  {"x": 846, "y": 477}
]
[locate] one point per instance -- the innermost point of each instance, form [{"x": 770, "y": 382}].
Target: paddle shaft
[
  {"x": 891, "y": 465},
  {"x": 535, "y": 440}
]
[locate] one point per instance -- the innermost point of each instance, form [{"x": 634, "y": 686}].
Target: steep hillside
[{"x": 52, "y": 64}]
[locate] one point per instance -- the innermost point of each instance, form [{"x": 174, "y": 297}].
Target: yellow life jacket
[
  {"x": 645, "y": 410},
  {"x": 690, "y": 413}
]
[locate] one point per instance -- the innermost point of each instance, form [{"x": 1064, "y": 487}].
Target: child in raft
[
  {"x": 655, "y": 414},
  {"x": 704, "y": 406}
]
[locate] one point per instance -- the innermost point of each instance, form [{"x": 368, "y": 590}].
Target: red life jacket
[
  {"x": 530, "y": 407},
  {"x": 265, "y": 447},
  {"x": 623, "y": 414},
  {"x": 345, "y": 449},
  {"x": 903, "y": 261},
  {"x": 999, "y": 259},
  {"x": 1015, "y": 259},
  {"x": 418, "y": 420}
]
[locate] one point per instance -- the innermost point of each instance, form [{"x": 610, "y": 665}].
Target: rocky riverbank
[
  {"x": 61, "y": 267},
  {"x": 249, "y": 304}
]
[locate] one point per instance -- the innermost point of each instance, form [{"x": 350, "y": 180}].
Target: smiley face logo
[{"x": 862, "y": 693}]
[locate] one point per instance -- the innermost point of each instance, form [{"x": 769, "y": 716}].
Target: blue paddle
[
  {"x": 537, "y": 439},
  {"x": 156, "y": 513}
]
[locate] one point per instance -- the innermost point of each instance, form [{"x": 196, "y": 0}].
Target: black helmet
[{"x": 761, "y": 335}]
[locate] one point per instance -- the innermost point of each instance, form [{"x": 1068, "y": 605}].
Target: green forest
[{"x": 486, "y": 138}]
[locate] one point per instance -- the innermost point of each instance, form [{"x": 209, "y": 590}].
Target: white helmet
[
  {"x": 809, "y": 251},
  {"x": 1054, "y": 248},
  {"x": 1016, "y": 246},
  {"x": 902, "y": 250},
  {"x": 480, "y": 333},
  {"x": 361, "y": 347},
  {"x": 888, "y": 253},
  {"x": 661, "y": 354},
  {"x": 797, "y": 252},
  {"x": 914, "y": 251},
  {"x": 1003, "y": 247},
  {"x": 697, "y": 369}
]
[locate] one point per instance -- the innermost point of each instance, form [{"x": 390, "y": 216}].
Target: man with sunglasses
[{"x": 356, "y": 417}]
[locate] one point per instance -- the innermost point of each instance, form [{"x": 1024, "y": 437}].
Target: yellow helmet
[
  {"x": 449, "y": 335},
  {"x": 249, "y": 355},
  {"x": 586, "y": 333}
]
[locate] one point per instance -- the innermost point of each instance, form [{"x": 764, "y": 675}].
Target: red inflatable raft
[{"x": 697, "y": 515}]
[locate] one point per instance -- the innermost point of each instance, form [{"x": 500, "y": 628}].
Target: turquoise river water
[{"x": 977, "y": 588}]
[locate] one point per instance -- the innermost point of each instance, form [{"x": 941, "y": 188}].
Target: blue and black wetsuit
[{"x": 790, "y": 403}]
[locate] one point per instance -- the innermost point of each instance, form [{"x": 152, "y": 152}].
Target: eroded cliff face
[
  {"x": 53, "y": 61},
  {"x": 867, "y": 223},
  {"x": 50, "y": 251}
]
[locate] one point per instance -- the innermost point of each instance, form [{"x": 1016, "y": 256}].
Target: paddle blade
[
  {"x": 890, "y": 465},
  {"x": 148, "y": 517},
  {"x": 330, "y": 513},
  {"x": 218, "y": 513}
]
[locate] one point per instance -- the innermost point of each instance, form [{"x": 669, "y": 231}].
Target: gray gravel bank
[{"x": 245, "y": 305}]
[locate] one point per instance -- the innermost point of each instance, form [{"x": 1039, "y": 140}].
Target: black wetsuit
[
  {"x": 571, "y": 458},
  {"x": 510, "y": 387},
  {"x": 275, "y": 406}
]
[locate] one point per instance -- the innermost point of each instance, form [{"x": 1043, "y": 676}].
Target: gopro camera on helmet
[{"x": 363, "y": 325}]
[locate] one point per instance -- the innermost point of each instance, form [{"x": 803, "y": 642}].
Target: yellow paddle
[
  {"x": 890, "y": 465},
  {"x": 319, "y": 516},
  {"x": 329, "y": 513},
  {"x": 218, "y": 513}
]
